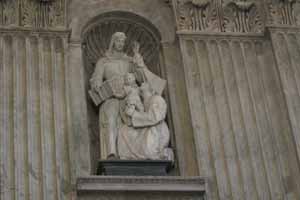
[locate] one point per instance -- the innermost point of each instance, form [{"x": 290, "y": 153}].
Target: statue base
[{"x": 134, "y": 167}]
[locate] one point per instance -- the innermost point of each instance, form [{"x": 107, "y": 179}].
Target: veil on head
[{"x": 114, "y": 37}]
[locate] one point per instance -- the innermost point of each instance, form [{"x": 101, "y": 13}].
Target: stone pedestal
[
  {"x": 137, "y": 188},
  {"x": 134, "y": 168}
]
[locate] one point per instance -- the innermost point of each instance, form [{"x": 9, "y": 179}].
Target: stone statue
[
  {"x": 114, "y": 86},
  {"x": 147, "y": 135}
]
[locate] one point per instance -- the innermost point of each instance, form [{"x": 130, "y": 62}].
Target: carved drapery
[{"x": 33, "y": 13}]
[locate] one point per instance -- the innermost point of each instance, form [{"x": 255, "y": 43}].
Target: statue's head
[
  {"x": 130, "y": 79},
  {"x": 117, "y": 42}
]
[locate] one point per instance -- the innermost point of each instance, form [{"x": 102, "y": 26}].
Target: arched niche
[
  {"x": 97, "y": 35},
  {"x": 95, "y": 41}
]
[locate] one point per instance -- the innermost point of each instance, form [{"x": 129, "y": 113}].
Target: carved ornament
[
  {"x": 8, "y": 14},
  {"x": 33, "y": 13},
  {"x": 197, "y": 15},
  {"x": 242, "y": 16},
  {"x": 284, "y": 12}
]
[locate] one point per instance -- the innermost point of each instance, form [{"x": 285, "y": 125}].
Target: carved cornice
[
  {"x": 241, "y": 16},
  {"x": 131, "y": 183},
  {"x": 41, "y": 14},
  {"x": 284, "y": 12},
  {"x": 197, "y": 15},
  {"x": 8, "y": 12},
  {"x": 20, "y": 31}
]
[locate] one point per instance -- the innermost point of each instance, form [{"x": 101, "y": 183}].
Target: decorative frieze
[
  {"x": 33, "y": 13},
  {"x": 242, "y": 16},
  {"x": 197, "y": 15},
  {"x": 8, "y": 14},
  {"x": 284, "y": 12}
]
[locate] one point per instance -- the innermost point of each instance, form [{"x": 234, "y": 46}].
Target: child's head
[{"x": 130, "y": 79}]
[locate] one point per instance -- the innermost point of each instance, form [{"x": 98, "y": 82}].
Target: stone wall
[
  {"x": 241, "y": 125},
  {"x": 233, "y": 94},
  {"x": 240, "y": 68},
  {"x": 35, "y": 125}
]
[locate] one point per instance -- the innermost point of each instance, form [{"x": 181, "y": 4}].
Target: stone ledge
[
  {"x": 141, "y": 187},
  {"x": 145, "y": 183}
]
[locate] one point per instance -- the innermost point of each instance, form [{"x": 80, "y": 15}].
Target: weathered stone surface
[
  {"x": 232, "y": 92},
  {"x": 152, "y": 188}
]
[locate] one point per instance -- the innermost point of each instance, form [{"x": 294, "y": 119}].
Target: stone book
[{"x": 108, "y": 89}]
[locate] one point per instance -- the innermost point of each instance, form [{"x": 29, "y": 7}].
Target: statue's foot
[
  {"x": 112, "y": 157},
  {"x": 168, "y": 154}
]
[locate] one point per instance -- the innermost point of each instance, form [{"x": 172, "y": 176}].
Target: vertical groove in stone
[
  {"x": 1, "y": 118},
  {"x": 67, "y": 112},
  {"x": 243, "y": 91},
  {"x": 17, "y": 119},
  {"x": 42, "y": 115},
  {"x": 7, "y": 131},
  {"x": 288, "y": 81},
  {"x": 294, "y": 52},
  {"x": 293, "y": 57},
  {"x": 234, "y": 112},
  {"x": 214, "y": 126},
  {"x": 33, "y": 114},
  {"x": 67, "y": 167},
  {"x": 230, "y": 151},
  {"x": 265, "y": 122},
  {"x": 56, "y": 123},
  {"x": 253, "y": 134},
  {"x": 234, "y": 83},
  {"x": 59, "y": 116},
  {"x": 40, "y": 68},
  {"x": 47, "y": 120},
  {"x": 286, "y": 142},
  {"x": 261, "y": 122},
  {"x": 25, "y": 115},
  {"x": 199, "y": 116},
  {"x": 291, "y": 92},
  {"x": 277, "y": 118},
  {"x": 20, "y": 125}
]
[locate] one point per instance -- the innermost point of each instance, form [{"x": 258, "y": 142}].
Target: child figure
[{"x": 132, "y": 100}]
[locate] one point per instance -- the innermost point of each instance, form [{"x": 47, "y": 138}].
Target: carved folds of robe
[
  {"x": 108, "y": 68},
  {"x": 149, "y": 136}
]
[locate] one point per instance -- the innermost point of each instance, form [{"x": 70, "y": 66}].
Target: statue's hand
[
  {"x": 138, "y": 60},
  {"x": 130, "y": 110},
  {"x": 96, "y": 84},
  {"x": 136, "y": 47}
]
